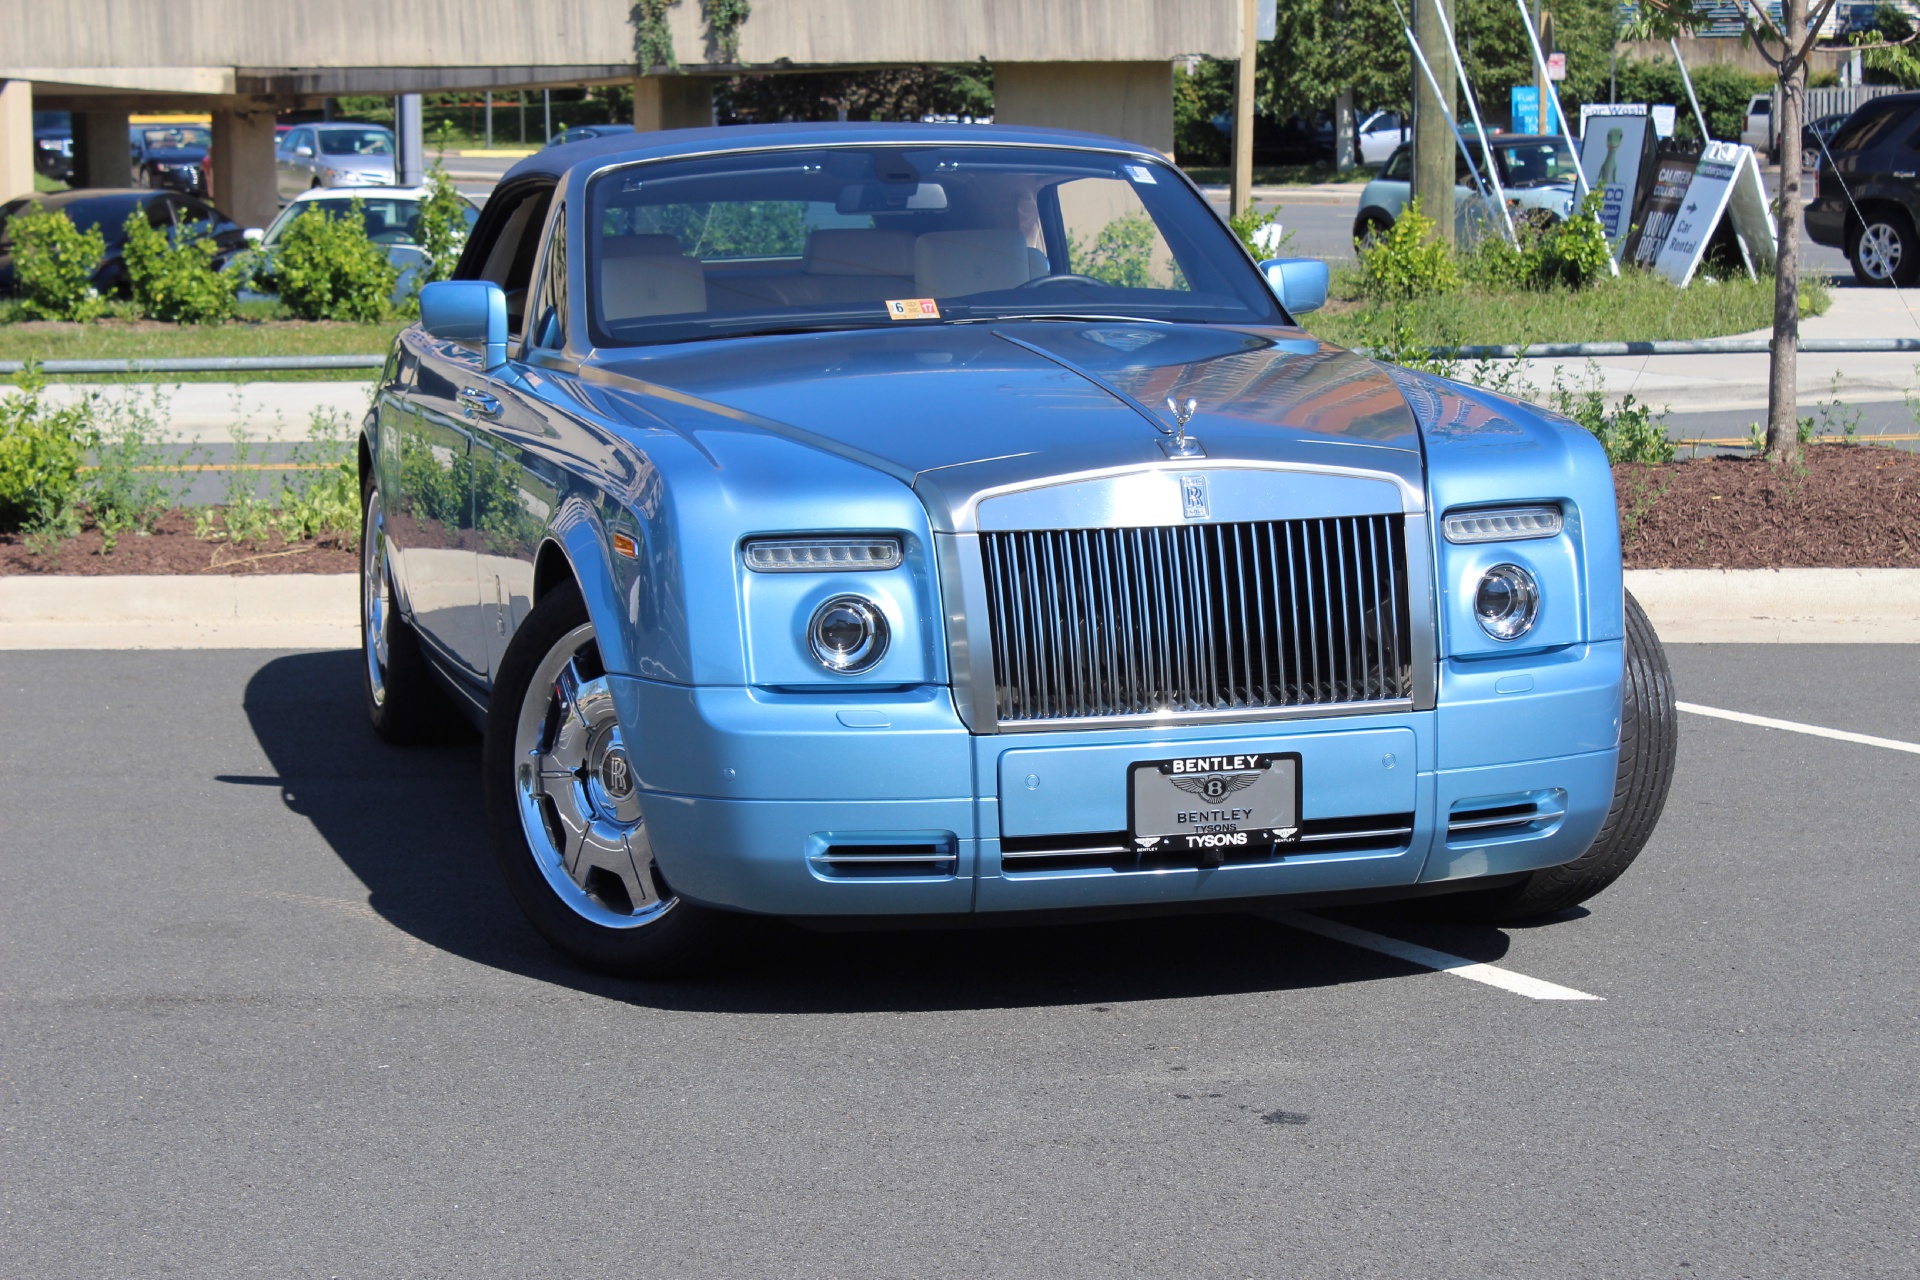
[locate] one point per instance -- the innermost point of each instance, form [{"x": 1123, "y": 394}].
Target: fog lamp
[
  {"x": 847, "y": 634},
  {"x": 1506, "y": 602}
]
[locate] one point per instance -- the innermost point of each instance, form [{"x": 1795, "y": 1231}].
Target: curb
[
  {"x": 1780, "y": 606},
  {"x": 321, "y": 611},
  {"x": 177, "y": 611}
]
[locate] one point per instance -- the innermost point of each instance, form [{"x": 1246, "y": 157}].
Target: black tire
[
  {"x": 665, "y": 935},
  {"x": 1649, "y": 741},
  {"x": 1884, "y": 250},
  {"x": 1370, "y": 227},
  {"x": 403, "y": 703}
]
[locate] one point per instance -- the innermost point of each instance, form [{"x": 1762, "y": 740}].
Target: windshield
[
  {"x": 387, "y": 220},
  {"x": 175, "y": 138},
  {"x": 356, "y": 142},
  {"x": 1535, "y": 163},
  {"x": 872, "y": 236}
]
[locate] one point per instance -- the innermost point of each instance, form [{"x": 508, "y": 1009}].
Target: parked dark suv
[{"x": 1868, "y": 202}]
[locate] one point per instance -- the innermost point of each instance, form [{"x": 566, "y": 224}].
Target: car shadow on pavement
[{"x": 410, "y": 824}]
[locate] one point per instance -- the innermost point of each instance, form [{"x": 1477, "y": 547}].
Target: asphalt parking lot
[{"x": 267, "y": 1010}]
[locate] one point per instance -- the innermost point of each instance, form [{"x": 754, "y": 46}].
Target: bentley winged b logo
[{"x": 1215, "y": 787}]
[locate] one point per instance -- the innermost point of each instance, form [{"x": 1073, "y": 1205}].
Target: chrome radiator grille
[{"x": 1211, "y": 618}]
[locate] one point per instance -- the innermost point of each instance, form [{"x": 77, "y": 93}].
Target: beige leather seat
[
  {"x": 649, "y": 276},
  {"x": 858, "y": 251},
  {"x": 951, "y": 264}
]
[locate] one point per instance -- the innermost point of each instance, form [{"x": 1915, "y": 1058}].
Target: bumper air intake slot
[
  {"x": 918, "y": 855},
  {"x": 1500, "y": 817}
]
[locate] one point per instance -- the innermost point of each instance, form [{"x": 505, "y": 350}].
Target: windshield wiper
[{"x": 1058, "y": 315}]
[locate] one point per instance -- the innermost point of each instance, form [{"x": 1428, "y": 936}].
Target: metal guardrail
[
  {"x": 1675, "y": 347},
  {"x": 1542, "y": 350},
  {"x": 202, "y": 364}
]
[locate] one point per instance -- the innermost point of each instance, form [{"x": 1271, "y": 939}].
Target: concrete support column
[
  {"x": 672, "y": 102},
  {"x": 102, "y": 151},
  {"x": 1131, "y": 100},
  {"x": 410, "y": 169},
  {"x": 244, "y": 183},
  {"x": 16, "y": 139}
]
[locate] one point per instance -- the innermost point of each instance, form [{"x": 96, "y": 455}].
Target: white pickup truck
[{"x": 1756, "y": 130}]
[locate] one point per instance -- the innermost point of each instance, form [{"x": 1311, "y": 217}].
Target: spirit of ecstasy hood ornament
[{"x": 1182, "y": 445}]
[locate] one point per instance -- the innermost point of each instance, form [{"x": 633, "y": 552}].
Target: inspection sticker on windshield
[
  {"x": 913, "y": 309},
  {"x": 1141, "y": 174}
]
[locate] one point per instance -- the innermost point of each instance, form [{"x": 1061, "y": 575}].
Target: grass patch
[
  {"x": 1638, "y": 306},
  {"x": 248, "y": 336},
  {"x": 1284, "y": 175}
]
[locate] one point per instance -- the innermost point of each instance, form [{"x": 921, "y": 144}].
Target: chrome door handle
[{"x": 473, "y": 400}]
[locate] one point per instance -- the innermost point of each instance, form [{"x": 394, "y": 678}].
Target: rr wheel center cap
[{"x": 616, "y": 775}]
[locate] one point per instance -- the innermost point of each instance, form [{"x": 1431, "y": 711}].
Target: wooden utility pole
[
  {"x": 1543, "y": 23},
  {"x": 1434, "y": 151},
  {"x": 1243, "y": 85}
]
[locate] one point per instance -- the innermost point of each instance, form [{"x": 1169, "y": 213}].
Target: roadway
[{"x": 268, "y": 1009}]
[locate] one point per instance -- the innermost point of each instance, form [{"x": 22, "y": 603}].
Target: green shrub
[
  {"x": 1574, "y": 252},
  {"x": 42, "y": 451},
  {"x": 53, "y": 263},
  {"x": 176, "y": 281},
  {"x": 1410, "y": 261},
  {"x": 322, "y": 501},
  {"x": 443, "y": 226},
  {"x": 130, "y": 485},
  {"x": 1631, "y": 433},
  {"x": 327, "y": 269}
]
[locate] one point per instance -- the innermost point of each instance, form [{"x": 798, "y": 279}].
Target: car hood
[
  {"x": 955, "y": 410},
  {"x": 175, "y": 155},
  {"x": 357, "y": 164}
]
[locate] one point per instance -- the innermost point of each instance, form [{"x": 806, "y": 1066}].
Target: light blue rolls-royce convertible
[{"x": 908, "y": 521}]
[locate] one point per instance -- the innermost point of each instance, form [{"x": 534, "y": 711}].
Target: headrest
[
  {"x": 651, "y": 285},
  {"x": 858, "y": 251},
  {"x": 952, "y": 264},
  {"x": 641, "y": 246}
]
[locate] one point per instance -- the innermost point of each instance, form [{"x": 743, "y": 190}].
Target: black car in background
[
  {"x": 1867, "y": 201},
  {"x": 107, "y": 209},
  {"x": 53, "y": 145},
  {"x": 169, "y": 156}
]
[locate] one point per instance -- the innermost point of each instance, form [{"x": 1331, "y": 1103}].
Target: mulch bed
[
  {"x": 1845, "y": 506},
  {"x": 172, "y": 548}
]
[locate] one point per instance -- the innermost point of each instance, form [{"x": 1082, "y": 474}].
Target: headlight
[
  {"x": 821, "y": 555},
  {"x": 847, "y": 634},
  {"x": 1506, "y": 602},
  {"x": 1502, "y": 524}
]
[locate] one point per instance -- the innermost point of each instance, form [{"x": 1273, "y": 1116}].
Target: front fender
[{"x": 581, "y": 536}]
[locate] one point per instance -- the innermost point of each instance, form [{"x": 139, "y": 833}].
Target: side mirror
[
  {"x": 253, "y": 235},
  {"x": 467, "y": 311},
  {"x": 305, "y": 153},
  {"x": 1299, "y": 283}
]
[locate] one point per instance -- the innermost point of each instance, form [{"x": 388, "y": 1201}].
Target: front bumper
[{"x": 800, "y": 805}]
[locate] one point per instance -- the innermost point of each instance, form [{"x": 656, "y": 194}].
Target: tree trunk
[{"x": 1783, "y": 399}]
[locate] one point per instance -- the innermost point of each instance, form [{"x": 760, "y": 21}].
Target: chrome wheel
[
  {"x": 1879, "y": 251},
  {"x": 376, "y": 599},
  {"x": 577, "y": 795}
]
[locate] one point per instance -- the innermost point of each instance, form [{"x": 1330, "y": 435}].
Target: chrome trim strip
[
  {"x": 1510, "y": 820},
  {"x": 852, "y": 859},
  {"x": 963, "y": 600},
  {"x": 1230, "y": 715},
  {"x": 1325, "y": 836},
  {"x": 1423, "y": 611}
]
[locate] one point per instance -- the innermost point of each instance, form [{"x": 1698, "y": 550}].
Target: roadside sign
[
  {"x": 1723, "y": 168},
  {"x": 1556, "y": 66},
  {"x": 1671, "y": 174},
  {"x": 1526, "y": 108},
  {"x": 1611, "y": 151}
]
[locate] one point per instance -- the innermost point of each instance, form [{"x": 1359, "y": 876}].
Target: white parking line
[
  {"x": 1793, "y": 726},
  {"x": 1459, "y": 966}
]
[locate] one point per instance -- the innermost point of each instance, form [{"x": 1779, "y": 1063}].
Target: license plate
[{"x": 1213, "y": 804}]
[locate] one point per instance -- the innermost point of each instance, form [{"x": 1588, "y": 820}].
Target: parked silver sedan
[{"x": 334, "y": 155}]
